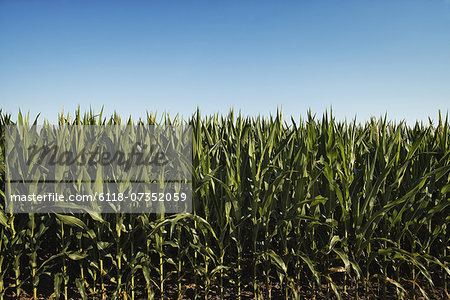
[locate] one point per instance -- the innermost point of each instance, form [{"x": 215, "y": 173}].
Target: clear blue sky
[{"x": 362, "y": 57}]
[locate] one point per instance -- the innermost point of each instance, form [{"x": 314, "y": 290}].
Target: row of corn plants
[{"x": 314, "y": 208}]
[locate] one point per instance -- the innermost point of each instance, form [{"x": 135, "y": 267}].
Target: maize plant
[{"x": 282, "y": 209}]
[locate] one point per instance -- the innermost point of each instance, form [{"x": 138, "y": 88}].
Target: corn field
[{"x": 295, "y": 209}]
